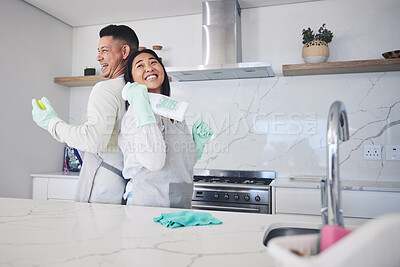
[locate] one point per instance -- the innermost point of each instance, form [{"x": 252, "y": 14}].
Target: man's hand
[{"x": 42, "y": 117}]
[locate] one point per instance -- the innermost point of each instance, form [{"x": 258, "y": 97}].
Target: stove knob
[
  {"x": 257, "y": 198},
  {"x": 246, "y": 197},
  {"x": 216, "y": 196},
  {"x": 226, "y": 196},
  {"x": 236, "y": 197}
]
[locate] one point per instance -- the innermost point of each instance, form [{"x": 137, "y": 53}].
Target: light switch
[{"x": 393, "y": 152}]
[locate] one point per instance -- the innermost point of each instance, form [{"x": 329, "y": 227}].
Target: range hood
[{"x": 222, "y": 48}]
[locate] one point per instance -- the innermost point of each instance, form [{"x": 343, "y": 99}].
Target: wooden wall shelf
[
  {"x": 339, "y": 67},
  {"x": 76, "y": 81},
  {"x": 79, "y": 80}
]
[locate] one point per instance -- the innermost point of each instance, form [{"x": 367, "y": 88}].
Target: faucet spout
[{"x": 338, "y": 130}]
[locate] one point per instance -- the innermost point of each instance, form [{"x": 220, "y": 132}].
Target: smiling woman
[
  {"x": 159, "y": 153},
  {"x": 148, "y": 71},
  {"x": 145, "y": 67}
]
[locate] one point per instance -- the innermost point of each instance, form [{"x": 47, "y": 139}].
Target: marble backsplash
[{"x": 280, "y": 123}]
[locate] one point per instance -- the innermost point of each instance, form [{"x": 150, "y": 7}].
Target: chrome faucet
[{"x": 338, "y": 129}]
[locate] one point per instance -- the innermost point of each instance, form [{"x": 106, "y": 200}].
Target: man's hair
[{"x": 123, "y": 33}]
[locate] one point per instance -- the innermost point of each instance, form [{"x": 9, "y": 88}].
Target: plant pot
[{"x": 315, "y": 52}]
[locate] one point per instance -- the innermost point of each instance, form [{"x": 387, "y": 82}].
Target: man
[{"x": 100, "y": 179}]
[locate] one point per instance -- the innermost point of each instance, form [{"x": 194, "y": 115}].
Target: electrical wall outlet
[
  {"x": 372, "y": 152},
  {"x": 393, "y": 152}
]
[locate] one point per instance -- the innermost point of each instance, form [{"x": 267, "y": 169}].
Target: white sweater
[
  {"x": 142, "y": 147},
  {"x": 99, "y": 134}
]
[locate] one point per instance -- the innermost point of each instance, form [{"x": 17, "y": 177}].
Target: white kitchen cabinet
[
  {"x": 55, "y": 186},
  {"x": 369, "y": 204},
  {"x": 355, "y": 203},
  {"x": 304, "y": 201}
]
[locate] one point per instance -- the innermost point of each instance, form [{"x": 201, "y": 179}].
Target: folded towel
[
  {"x": 186, "y": 218},
  {"x": 168, "y": 107}
]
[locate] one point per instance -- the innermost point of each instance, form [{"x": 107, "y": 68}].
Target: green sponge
[{"x": 40, "y": 104}]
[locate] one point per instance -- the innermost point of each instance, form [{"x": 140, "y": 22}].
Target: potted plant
[{"x": 316, "y": 49}]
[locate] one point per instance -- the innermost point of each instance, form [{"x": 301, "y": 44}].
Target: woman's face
[{"x": 148, "y": 71}]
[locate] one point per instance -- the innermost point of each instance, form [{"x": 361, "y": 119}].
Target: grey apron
[
  {"x": 172, "y": 186},
  {"x": 102, "y": 185}
]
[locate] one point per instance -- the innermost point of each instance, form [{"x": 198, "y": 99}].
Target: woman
[{"x": 159, "y": 153}]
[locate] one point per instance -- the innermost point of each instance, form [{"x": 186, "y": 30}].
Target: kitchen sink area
[
  {"x": 360, "y": 247},
  {"x": 331, "y": 213},
  {"x": 279, "y": 230},
  {"x": 322, "y": 245}
]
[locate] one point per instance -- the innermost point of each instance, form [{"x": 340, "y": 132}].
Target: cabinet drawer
[
  {"x": 62, "y": 189},
  {"x": 39, "y": 189},
  {"x": 369, "y": 204},
  {"x": 355, "y": 203},
  {"x": 298, "y": 201}
]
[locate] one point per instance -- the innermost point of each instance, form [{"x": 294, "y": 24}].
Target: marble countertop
[
  {"x": 314, "y": 182},
  {"x": 52, "y": 233}
]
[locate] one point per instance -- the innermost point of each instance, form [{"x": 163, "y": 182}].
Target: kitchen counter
[
  {"x": 57, "y": 174},
  {"x": 300, "y": 182},
  {"x": 57, "y": 185},
  {"x": 55, "y": 233},
  {"x": 314, "y": 182}
]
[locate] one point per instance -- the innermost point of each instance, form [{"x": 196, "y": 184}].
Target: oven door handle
[{"x": 223, "y": 208}]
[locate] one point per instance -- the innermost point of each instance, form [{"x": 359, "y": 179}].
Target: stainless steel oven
[{"x": 228, "y": 190}]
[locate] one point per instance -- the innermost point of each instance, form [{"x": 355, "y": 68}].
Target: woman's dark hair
[{"x": 165, "y": 87}]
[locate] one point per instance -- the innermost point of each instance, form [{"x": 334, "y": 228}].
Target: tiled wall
[{"x": 280, "y": 123}]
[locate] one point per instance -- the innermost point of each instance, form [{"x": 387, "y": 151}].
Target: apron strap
[
  {"x": 112, "y": 168},
  {"x": 118, "y": 172}
]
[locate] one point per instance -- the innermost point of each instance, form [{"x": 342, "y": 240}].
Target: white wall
[
  {"x": 35, "y": 48},
  {"x": 280, "y": 123},
  {"x": 360, "y": 28},
  {"x": 180, "y": 36}
]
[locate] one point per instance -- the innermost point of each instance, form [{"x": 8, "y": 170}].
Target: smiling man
[{"x": 101, "y": 178}]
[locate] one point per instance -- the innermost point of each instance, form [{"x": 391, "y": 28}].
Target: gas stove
[{"x": 243, "y": 191}]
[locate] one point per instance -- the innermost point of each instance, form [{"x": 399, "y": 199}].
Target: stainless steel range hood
[{"x": 222, "y": 48}]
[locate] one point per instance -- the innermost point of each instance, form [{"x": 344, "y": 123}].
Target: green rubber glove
[
  {"x": 201, "y": 133},
  {"x": 137, "y": 96},
  {"x": 42, "y": 117}
]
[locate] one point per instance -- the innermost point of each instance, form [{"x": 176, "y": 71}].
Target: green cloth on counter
[{"x": 186, "y": 218}]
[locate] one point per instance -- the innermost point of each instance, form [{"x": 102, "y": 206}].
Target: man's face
[{"x": 110, "y": 57}]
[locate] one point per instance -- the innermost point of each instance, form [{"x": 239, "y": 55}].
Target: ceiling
[{"x": 78, "y": 13}]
